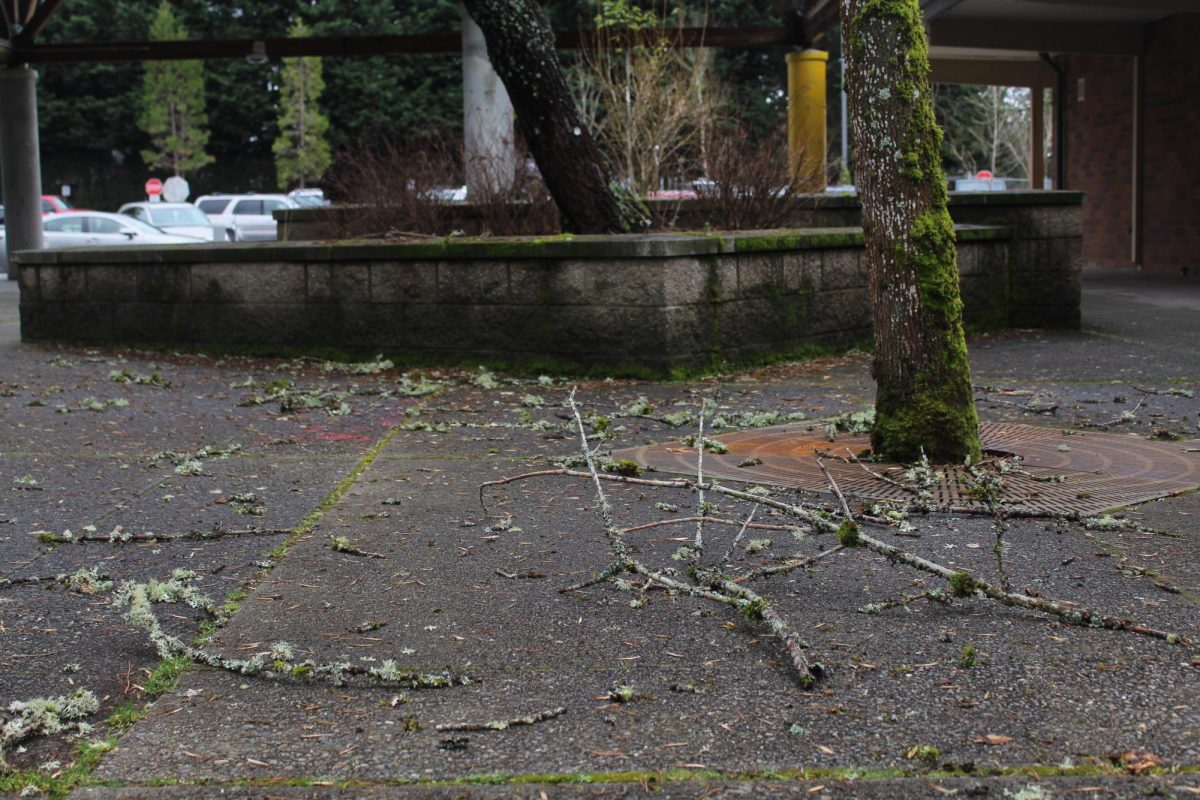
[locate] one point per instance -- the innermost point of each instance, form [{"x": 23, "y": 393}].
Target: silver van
[{"x": 244, "y": 217}]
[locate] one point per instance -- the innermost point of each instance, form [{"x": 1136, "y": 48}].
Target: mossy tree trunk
[
  {"x": 520, "y": 46},
  {"x": 923, "y": 382}
]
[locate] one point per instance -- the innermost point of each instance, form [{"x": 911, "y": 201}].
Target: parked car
[
  {"x": 183, "y": 219},
  {"x": 56, "y": 204},
  {"x": 98, "y": 229},
  {"x": 244, "y": 217}
]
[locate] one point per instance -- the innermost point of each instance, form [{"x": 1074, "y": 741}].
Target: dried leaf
[
  {"x": 1139, "y": 761},
  {"x": 993, "y": 739}
]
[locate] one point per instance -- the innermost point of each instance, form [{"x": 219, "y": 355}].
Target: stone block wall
[{"x": 652, "y": 300}]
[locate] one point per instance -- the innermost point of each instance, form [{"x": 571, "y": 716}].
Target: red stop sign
[{"x": 153, "y": 187}]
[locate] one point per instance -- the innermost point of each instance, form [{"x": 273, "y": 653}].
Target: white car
[
  {"x": 98, "y": 229},
  {"x": 183, "y": 219},
  {"x": 244, "y": 217},
  {"x": 308, "y": 198}
]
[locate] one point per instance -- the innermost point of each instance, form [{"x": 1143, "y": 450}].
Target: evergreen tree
[
  {"x": 401, "y": 99},
  {"x": 173, "y": 105},
  {"x": 301, "y": 150}
]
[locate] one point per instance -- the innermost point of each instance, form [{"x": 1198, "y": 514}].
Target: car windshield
[{"x": 178, "y": 215}]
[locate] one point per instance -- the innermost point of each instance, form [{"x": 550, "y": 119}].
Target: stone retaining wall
[{"x": 652, "y": 300}]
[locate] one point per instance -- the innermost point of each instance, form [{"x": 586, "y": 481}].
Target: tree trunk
[
  {"x": 520, "y": 46},
  {"x": 923, "y": 381}
]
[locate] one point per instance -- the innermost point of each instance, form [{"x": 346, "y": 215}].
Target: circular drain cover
[{"x": 1100, "y": 471}]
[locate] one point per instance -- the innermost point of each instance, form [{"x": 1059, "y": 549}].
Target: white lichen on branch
[
  {"x": 45, "y": 716},
  {"x": 278, "y": 662}
]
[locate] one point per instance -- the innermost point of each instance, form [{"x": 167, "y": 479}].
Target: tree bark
[
  {"x": 520, "y": 46},
  {"x": 923, "y": 383}
]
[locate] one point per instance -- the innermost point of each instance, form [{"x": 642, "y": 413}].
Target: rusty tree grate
[{"x": 1100, "y": 471}]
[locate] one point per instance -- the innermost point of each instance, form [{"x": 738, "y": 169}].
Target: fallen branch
[
  {"x": 758, "y": 607},
  {"x": 85, "y": 581},
  {"x": 853, "y": 459},
  {"x": 1165, "y": 392},
  {"x": 278, "y": 663},
  {"x": 340, "y": 544},
  {"x": 933, "y": 595},
  {"x": 122, "y": 537},
  {"x": 519, "y": 575},
  {"x": 719, "y": 589},
  {"x": 713, "y": 582},
  {"x": 500, "y": 725},
  {"x": 677, "y": 483},
  {"x": 701, "y": 507},
  {"x": 1028, "y": 408},
  {"x": 965, "y": 584},
  {"x": 757, "y": 526},
  {"x": 790, "y": 565},
  {"x": 727, "y": 559}
]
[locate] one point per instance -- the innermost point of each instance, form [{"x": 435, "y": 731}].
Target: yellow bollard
[{"x": 806, "y": 119}]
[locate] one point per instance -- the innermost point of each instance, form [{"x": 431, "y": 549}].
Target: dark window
[
  {"x": 72, "y": 223},
  {"x": 248, "y": 207},
  {"x": 215, "y": 206},
  {"x": 103, "y": 225}
]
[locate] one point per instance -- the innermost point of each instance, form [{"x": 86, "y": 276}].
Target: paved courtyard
[{"x": 337, "y": 509}]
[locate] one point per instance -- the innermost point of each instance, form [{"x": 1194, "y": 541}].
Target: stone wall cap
[
  {"x": 615, "y": 246},
  {"x": 1023, "y": 197}
]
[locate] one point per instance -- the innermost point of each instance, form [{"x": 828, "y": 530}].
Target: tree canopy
[
  {"x": 301, "y": 150},
  {"x": 173, "y": 114},
  {"x": 89, "y": 112}
]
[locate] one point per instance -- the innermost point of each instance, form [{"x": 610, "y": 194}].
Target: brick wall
[
  {"x": 1099, "y": 144},
  {"x": 1099, "y": 150},
  {"x": 1171, "y": 232}
]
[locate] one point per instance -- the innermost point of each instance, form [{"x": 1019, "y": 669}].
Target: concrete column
[
  {"x": 20, "y": 161},
  {"x": 489, "y": 155},
  {"x": 806, "y": 119}
]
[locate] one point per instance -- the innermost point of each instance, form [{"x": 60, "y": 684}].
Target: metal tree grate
[{"x": 1100, "y": 471}]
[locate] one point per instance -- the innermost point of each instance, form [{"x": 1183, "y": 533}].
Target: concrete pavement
[{"x": 393, "y": 465}]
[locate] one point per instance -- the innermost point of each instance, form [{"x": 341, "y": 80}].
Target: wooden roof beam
[
  {"x": 991, "y": 72},
  {"x": 386, "y": 45},
  {"x": 935, "y": 8},
  {"x": 1044, "y": 36}
]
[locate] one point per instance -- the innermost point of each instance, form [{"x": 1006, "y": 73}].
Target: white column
[
  {"x": 489, "y": 156},
  {"x": 19, "y": 159}
]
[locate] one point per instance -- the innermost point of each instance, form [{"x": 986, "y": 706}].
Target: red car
[{"x": 55, "y": 204}]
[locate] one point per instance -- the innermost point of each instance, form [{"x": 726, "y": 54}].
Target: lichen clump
[
  {"x": 847, "y": 533},
  {"x": 963, "y": 584},
  {"x": 45, "y": 716}
]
